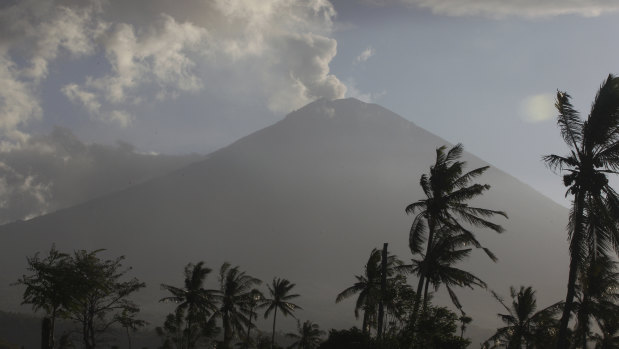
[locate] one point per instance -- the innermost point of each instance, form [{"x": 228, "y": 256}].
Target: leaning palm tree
[
  {"x": 279, "y": 291},
  {"x": 198, "y": 302},
  {"x": 308, "y": 336},
  {"x": 594, "y": 153},
  {"x": 447, "y": 190},
  {"x": 521, "y": 320},
  {"x": 235, "y": 299},
  {"x": 368, "y": 286}
]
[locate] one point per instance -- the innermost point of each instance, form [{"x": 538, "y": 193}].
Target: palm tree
[
  {"x": 447, "y": 192},
  {"x": 368, "y": 287},
  {"x": 446, "y": 250},
  {"x": 594, "y": 153},
  {"x": 280, "y": 299},
  {"x": 308, "y": 336},
  {"x": 235, "y": 299},
  {"x": 521, "y": 320},
  {"x": 193, "y": 298}
]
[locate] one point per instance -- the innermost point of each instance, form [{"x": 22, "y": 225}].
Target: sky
[{"x": 193, "y": 76}]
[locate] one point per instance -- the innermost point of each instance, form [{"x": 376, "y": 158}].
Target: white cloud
[
  {"x": 18, "y": 105},
  {"x": 22, "y": 194},
  {"x": 57, "y": 170},
  {"x": 522, "y": 8},
  {"x": 157, "y": 50},
  {"x": 121, "y": 117},
  {"x": 159, "y": 56},
  {"x": 302, "y": 66},
  {"x": 79, "y": 96},
  {"x": 36, "y": 32},
  {"x": 538, "y": 108},
  {"x": 365, "y": 55}
]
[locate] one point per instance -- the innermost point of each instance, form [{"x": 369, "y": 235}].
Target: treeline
[{"x": 93, "y": 294}]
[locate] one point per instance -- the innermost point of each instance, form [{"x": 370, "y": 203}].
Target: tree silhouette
[
  {"x": 127, "y": 320},
  {"x": 522, "y": 321},
  {"x": 197, "y": 302},
  {"x": 447, "y": 192},
  {"x": 279, "y": 291},
  {"x": 235, "y": 299},
  {"x": 594, "y": 153},
  {"x": 99, "y": 296},
  {"x": 308, "y": 336},
  {"x": 174, "y": 332},
  {"x": 368, "y": 287},
  {"x": 48, "y": 287}
]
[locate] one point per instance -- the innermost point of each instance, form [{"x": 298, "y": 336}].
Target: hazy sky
[{"x": 192, "y": 76}]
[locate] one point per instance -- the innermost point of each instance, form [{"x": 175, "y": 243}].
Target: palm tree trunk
[
  {"x": 188, "y": 333},
  {"x": 128, "y": 337},
  {"x": 227, "y": 331},
  {"x": 46, "y": 331},
  {"x": 575, "y": 242},
  {"x": 383, "y": 291},
  {"x": 273, "y": 335},
  {"x": 425, "y": 297},
  {"x": 584, "y": 318},
  {"x": 251, "y": 312},
  {"x": 423, "y": 274},
  {"x": 365, "y": 321}
]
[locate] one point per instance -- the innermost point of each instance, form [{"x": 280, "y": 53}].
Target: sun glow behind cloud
[{"x": 538, "y": 108}]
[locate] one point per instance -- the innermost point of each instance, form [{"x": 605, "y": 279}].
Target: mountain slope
[{"x": 306, "y": 199}]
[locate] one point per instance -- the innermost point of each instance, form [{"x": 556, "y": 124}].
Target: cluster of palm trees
[
  {"x": 199, "y": 310},
  {"x": 441, "y": 236},
  {"x": 396, "y": 298}
]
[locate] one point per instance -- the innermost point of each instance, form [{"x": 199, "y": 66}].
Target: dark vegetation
[{"x": 85, "y": 298}]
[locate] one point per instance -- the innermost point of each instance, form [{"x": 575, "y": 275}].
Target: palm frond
[
  {"x": 604, "y": 116},
  {"x": 569, "y": 122}
]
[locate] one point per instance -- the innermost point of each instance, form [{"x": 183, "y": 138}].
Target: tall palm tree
[
  {"x": 446, "y": 250},
  {"x": 522, "y": 321},
  {"x": 198, "y": 302},
  {"x": 279, "y": 291},
  {"x": 368, "y": 287},
  {"x": 594, "y": 153},
  {"x": 447, "y": 190},
  {"x": 308, "y": 336},
  {"x": 235, "y": 299}
]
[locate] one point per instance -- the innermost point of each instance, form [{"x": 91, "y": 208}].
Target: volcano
[{"x": 304, "y": 199}]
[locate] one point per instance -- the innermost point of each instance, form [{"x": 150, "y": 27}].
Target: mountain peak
[{"x": 346, "y": 109}]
